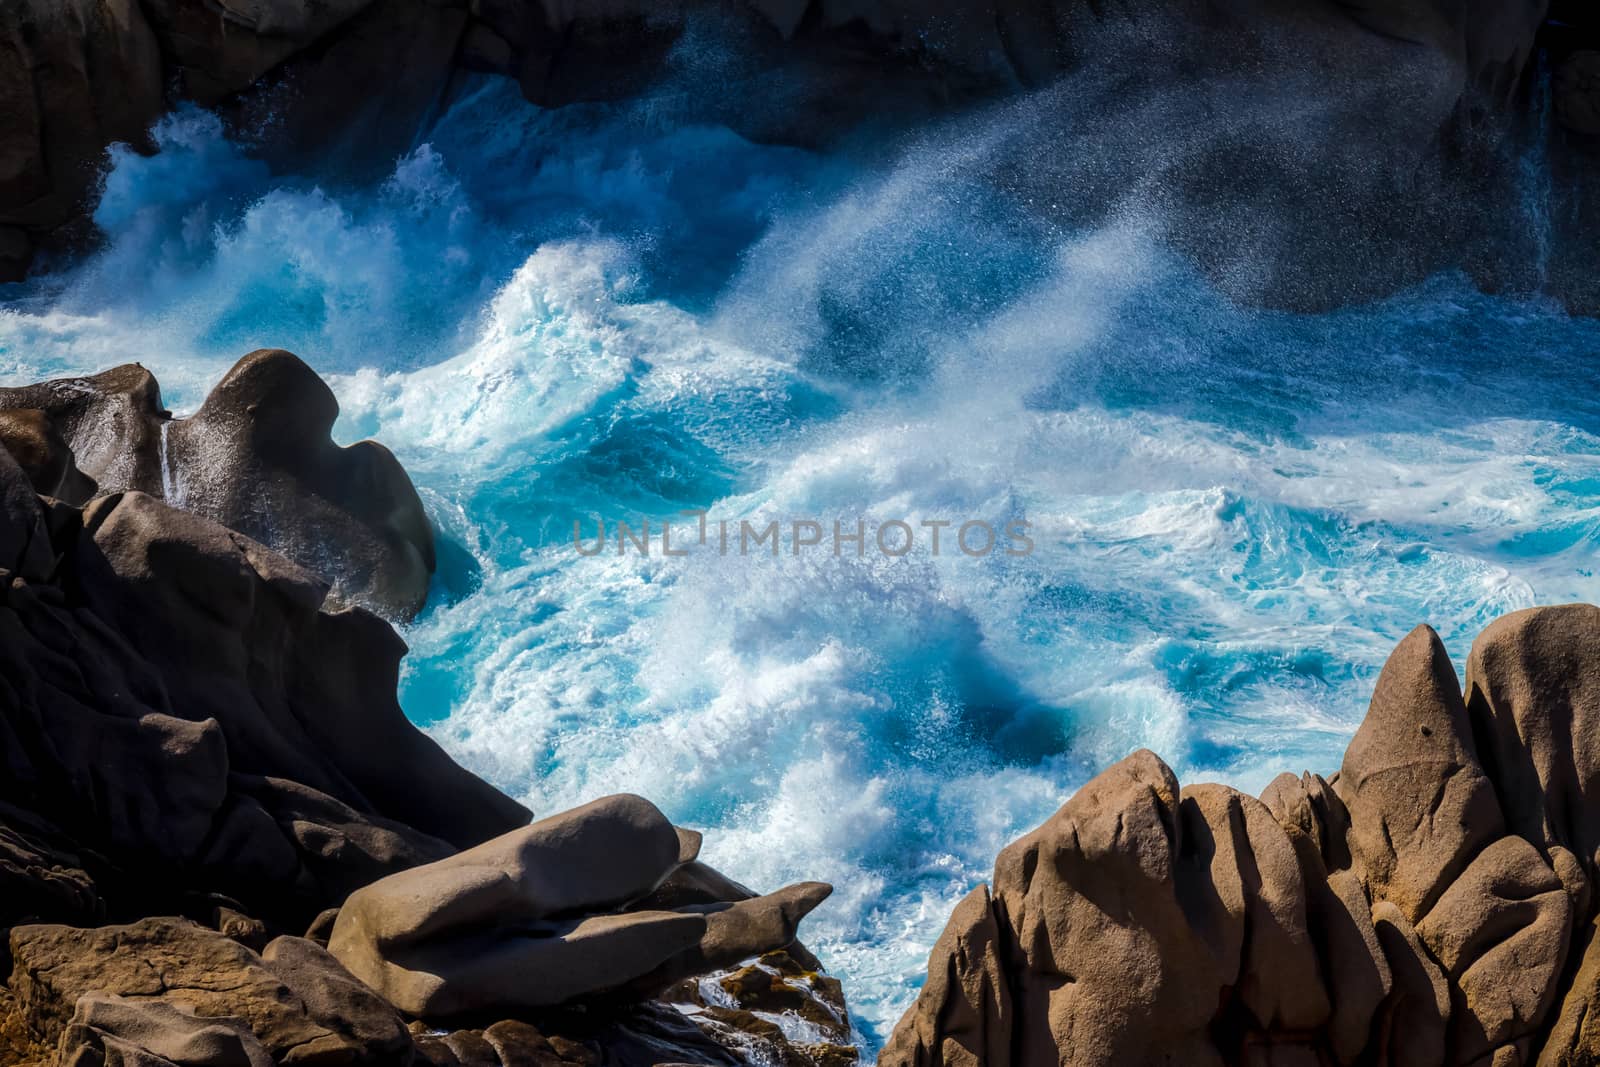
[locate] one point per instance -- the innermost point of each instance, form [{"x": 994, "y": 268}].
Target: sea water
[{"x": 597, "y": 315}]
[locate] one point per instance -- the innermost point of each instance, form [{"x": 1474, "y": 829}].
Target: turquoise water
[{"x": 598, "y": 313}]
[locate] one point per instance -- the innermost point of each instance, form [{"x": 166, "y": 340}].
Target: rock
[
  {"x": 227, "y": 48},
  {"x": 110, "y": 422},
  {"x": 257, "y": 458},
  {"x": 44, "y": 455},
  {"x": 963, "y": 1014},
  {"x": 295, "y": 1001},
  {"x": 1420, "y": 804},
  {"x": 1574, "y": 1038},
  {"x": 1533, "y": 688},
  {"x": 75, "y": 76},
  {"x": 1420, "y": 908},
  {"x": 266, "y": 788},
  {"x": 1577, "y": 94},
  {"x": 16, "y": 253},
  {"x": 117, "y": 1032},
  {"x": 1132, "y": 985},
  {"x": 236, "y": 633},
  {"x": 529, "y": 919}
]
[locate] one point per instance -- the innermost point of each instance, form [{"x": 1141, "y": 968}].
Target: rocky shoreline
[
  {"x": 222, "y": 842},
  {"x": 1431, "y": 903},
  {"x": 206, "y": 859}
]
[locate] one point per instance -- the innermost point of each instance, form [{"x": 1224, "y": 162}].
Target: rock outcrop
[
  {"x": 1374, "y": 142},
  {"x": 258, "y": 458},
  {"x": 202, "y": 758},
  {"x": 1431, "y": 903}
]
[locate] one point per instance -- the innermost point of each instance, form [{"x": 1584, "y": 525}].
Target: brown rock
[
  {"x": 1574, "y": 1038},
  {"x": 111, "y": 1031},
  {"x": 1500, "y": 932},
  {"x": 1420, "y": 804},
  {"x": 44, "y": 455},
  {"x": 1577, "y": 93},
  {"x": 963, "y": 1014},
  {"x": 1533, "y": 685},
  {"x": 301, "y": 1006},
  {"x": 111, "y": 423},
  {"x": 257, "y": 458},
  {"x": 1092, "y": 984}
]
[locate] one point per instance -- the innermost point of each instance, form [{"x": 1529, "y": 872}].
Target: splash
[{"x": 555, "y": 316}]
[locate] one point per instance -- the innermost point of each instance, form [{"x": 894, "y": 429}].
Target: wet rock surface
[
  {"x": 1432, "y": 903},
  {"x": 258, "y": 458}
]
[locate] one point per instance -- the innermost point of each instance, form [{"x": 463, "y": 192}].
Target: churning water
[{"x": 594, "y": 314}]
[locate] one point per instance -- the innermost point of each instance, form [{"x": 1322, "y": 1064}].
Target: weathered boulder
[
  {"x": 112, "y": 1031},
  {"x": 1420, "y": 908},
  {"x": 257, "y": 458},
  {"x": 110, "y": 423},
  {"x": 532, "y": 919},
  {"x": 294, "y": 1001}
]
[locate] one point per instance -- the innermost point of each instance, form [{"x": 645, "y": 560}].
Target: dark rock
[
  {"x": 16, "y": 253},
  {"x": 111, "y": 423},
  {"x": 75, "y": 76},
  {"x": 257, "y": 458},
  {"x": 44, "y": 455}
]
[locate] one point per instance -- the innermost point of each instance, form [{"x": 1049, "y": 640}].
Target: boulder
[
  {"x": 178, "y": 717},
  {"x": 36, "y": 444},
  {"x": 532, "y": 920},
  {"x": 257, "y": 458},
  {"x": 112, "y": 1031},
  {"x": 1421, "y": 907},
  {"x": 295, "y": 1002}
]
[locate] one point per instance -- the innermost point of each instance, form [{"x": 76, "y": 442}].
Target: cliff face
[
  {"x": 1431, "y": 903},
  {"x": 1311, "y": 153}
]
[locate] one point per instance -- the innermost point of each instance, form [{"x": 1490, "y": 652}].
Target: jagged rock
[
  {"x": 295, "y": 1000},
  {"x": 1420, "y": 804},
  {"x": 529, "y": 919},
  {"x": 1419, "y": 908}
]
